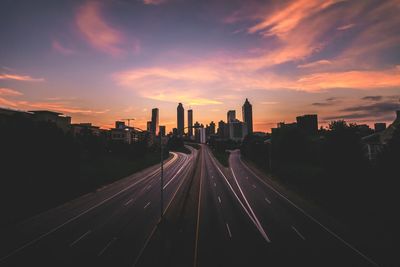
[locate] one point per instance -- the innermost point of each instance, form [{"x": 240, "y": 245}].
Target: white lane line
[
  {"x": 129, "y": 201},
  {"x": 311, "y": 217},
  {"x": 219, "y": 199},
  {"x": 148, "y": 187},
  {"x": 88, "y": 210},
  {"x": 215, "y": 185},
  {"x": 176, "y": 174},
  {"x": 266, "y": 199},
  {"x": 81, "y": 237},
  {"x": 260, "y": 229},
  {"x": 106, "y": 247},
  {"x": 148, "y": 204},
  {"x": 254, "y": 186},
  {"x": 229, "y": 230},
  {"x": 156, "y": 226},
  {"x": 297, "y": 232},
  {"x": 248, "y": 205}
]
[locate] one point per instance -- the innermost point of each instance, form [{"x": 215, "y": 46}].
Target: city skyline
[{"x": 99, "y": 61}]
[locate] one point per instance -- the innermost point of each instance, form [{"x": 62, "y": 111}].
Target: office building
[
  {"x": 162, "y": 130},
  {"x": 180, "y": 119},
  {"x": 154, "y": 121},
  {"x": 190, "y": 122},
  {"x": 247, "y": 113},
  {"x": 231, "y": 116},
  {"x": 308, "y": 123}
]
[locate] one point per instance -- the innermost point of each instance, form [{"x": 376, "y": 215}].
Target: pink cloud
[
  {"x": 314, "y": 64},
  {"x": 96, "y": 31},
  {"x": 9, "y": 92},
  {"x": 58, "y": 47},
  {"x": 7, "y": 103},
  {"x": 18, "y": 77},
  {"x": 154, "y": 2},
  {"x": 345, "y": 27}
]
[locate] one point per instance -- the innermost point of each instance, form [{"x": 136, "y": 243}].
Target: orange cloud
[
  {"x": 7, "y": 103},
  {"x": 182, "y": 83},
  {"x": 20, "y": 78},
  {"x": 96, "y": 31},
  {"x": 349, "y": 79},
  {"x": 289, "y": 17},
  {"x": 9, "y": 92}
]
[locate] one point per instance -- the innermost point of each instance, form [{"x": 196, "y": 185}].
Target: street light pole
[{"x": 162, "y": 179}]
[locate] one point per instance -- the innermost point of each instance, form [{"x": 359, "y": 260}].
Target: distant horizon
[{"x": 99, "y": 61}]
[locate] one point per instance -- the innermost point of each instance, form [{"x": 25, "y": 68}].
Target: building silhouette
[
  {"x": 180, "y": 119},
  {"x": 379, "y": 126},
  {"x": 162, "y": 130},
  {"x": 247, "y": 113},
  {"x": 190, "y": 122},
  {"x": 231, "y": 116},
  {"x": 154, "y": 121},
  {"x": 212, "y": 128},
  {"x": 308, "y": 123}
]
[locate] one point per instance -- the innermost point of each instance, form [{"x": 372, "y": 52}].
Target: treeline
[
  {"x": 42, "y": 167},
  {"x": 331, "y": 169}
]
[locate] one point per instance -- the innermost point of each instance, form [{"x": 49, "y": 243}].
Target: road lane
[
  {"x": 226, "y": 234},
  {"x": 105, "y": 219},
  {"x": 310, "y": 244}
]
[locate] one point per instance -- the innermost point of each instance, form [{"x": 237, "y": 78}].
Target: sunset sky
[{"x": 100, "y": 61}]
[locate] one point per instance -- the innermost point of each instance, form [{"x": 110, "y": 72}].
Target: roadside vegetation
[
  {"x": 331, "y": 170},
  {"x": 42, "y": 167},
  {"x": 220, "y": 149},
  {"x": 194, "y": 145}
]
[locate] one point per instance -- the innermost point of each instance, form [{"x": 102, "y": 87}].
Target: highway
[
  {"x": 109, "y": 227},
  {"x": 238, "y": 220},
  {"x": 296, "y": 237}
]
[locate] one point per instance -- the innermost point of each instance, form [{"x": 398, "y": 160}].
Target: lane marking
[
  {"x": 254, "y": 186},
  {"x": 198, "y": 214},
  {"x": 148, "y": 204},
  {"x": 186, "y": 162},
  {"x": 266, "y": 199},
  {"x": 88, "y": 210},
  {"x": 262, "y": 232},
  {"x": 215, "y": 185},
  {"x": 229, "y": 230},
  {"x": 219, "y": 199},
  {"x": 129, "y": 201},
  {"x": 148, "y": 187},
  {"x": 81, "y": 237},
  {"x": 106, "y": 247},
  {"x": 248, "y": 205},
  {"x": 158, "y": 222},
  {"x": 311, "y": 217},
  {"x": 297, "y": 232}
]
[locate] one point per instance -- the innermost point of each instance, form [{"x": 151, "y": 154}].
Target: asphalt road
[
  {"x": 109, "y": 227},
  {"x": 296, "y": 237},
  {"x": 241, "y": 221}
]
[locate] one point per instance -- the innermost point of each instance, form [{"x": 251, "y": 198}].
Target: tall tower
[
  {"x": 154, "y": 121},
  {"x": 180, "y": 119},
  {"x": 190, "y": 122},
  {"x": 247, "y": 112}
]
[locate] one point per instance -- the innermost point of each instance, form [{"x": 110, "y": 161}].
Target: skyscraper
[
  {"x": 154, "y": 121},
  {"x": 231, "y": 116},
  {"x": 247, "y": 113},
  {"x": 180, "y": 119},
  {"x": 190, "y": 122}
]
